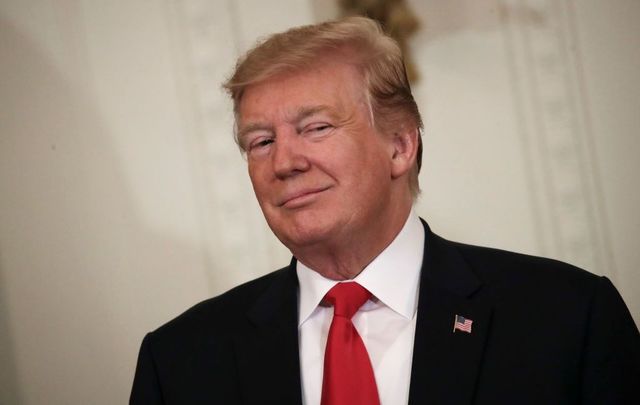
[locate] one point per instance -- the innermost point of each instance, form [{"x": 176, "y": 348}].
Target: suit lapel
[
  {"x": 267, "y": 355},
  {"x": 446, "y": 363}
]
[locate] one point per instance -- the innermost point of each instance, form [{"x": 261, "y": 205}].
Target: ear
[{"x": 405, "y": 150}]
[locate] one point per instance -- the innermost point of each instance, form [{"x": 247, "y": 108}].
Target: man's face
[{"x": 320, "y": 171}]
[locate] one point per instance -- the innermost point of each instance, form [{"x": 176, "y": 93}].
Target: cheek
[
  {"x": 258, "y": 182},
  {"x": 373, "y": 177},
  {"x": 371, "y": 163}
]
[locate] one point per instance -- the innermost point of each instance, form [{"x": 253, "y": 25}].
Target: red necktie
[{"x": 348, "y": 375}]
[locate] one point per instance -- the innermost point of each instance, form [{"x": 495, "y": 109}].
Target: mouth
[{"x": 301, "y": 198}]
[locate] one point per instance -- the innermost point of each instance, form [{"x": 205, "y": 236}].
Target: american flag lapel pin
[{"x": 462, "y": 324}]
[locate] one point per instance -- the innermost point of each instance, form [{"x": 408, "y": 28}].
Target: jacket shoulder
[
  {"x": 222, "y": 314},
  {"x": 496, "y": 267}
]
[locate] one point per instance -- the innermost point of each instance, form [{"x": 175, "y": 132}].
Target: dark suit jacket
[{"x": 543, "y": 332}]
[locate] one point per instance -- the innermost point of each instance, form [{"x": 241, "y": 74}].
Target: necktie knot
[{"x": 347, "y": 298}]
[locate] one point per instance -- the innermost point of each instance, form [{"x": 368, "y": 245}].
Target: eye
[
  {"x": 260, "y": 143},
  {"x": 318, "y": 128}
]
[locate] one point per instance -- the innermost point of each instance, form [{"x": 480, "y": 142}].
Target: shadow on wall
[
  {"x": 9, "y": 393},
  {"x": 76, "y": 261}
]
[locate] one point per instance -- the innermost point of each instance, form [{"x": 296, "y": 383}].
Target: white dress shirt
[{"x": 386, "y": 322}]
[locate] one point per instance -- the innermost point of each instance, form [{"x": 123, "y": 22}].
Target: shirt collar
[{"x": 392, "y": 277}]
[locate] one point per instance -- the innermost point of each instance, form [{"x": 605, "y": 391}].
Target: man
[{"x": 374, "y": 307}]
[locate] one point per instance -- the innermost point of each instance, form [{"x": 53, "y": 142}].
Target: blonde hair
[{"x": 377, "y": 56}]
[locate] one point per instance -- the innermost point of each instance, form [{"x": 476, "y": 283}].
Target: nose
[{"x": 288, "y": 156}]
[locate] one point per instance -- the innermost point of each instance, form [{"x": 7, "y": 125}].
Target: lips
[{"x": 300, "y": 198}]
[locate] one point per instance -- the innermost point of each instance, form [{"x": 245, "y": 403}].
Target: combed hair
[{"x": 377, "y": 56}]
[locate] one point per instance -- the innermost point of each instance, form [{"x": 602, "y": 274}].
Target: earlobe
[{"x": 405, "y": 149}]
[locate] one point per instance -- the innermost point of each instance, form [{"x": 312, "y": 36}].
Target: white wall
[
  {"x": 531, "y": 109},
  {"x": 123, "y": 199}
]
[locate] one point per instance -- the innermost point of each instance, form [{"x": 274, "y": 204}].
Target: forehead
[{"x": 330, "y": 84}]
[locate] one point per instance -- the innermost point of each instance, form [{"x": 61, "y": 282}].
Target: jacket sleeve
[
  {"x": 611, "y": 357},
  {"x": 146, "y": 385}
]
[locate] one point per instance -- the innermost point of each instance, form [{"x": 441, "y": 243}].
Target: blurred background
[{"x": 123, "y": 199}]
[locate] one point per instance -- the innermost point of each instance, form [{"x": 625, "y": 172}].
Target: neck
[{"x": 343, "y": 258}]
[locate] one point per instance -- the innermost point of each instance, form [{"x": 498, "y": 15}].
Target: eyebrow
[
  {"x": 306, "y": 112},
  {"x": 254, "y": 126}
]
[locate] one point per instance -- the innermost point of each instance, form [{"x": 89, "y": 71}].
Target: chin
[{"x": 303, "y": 234}]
